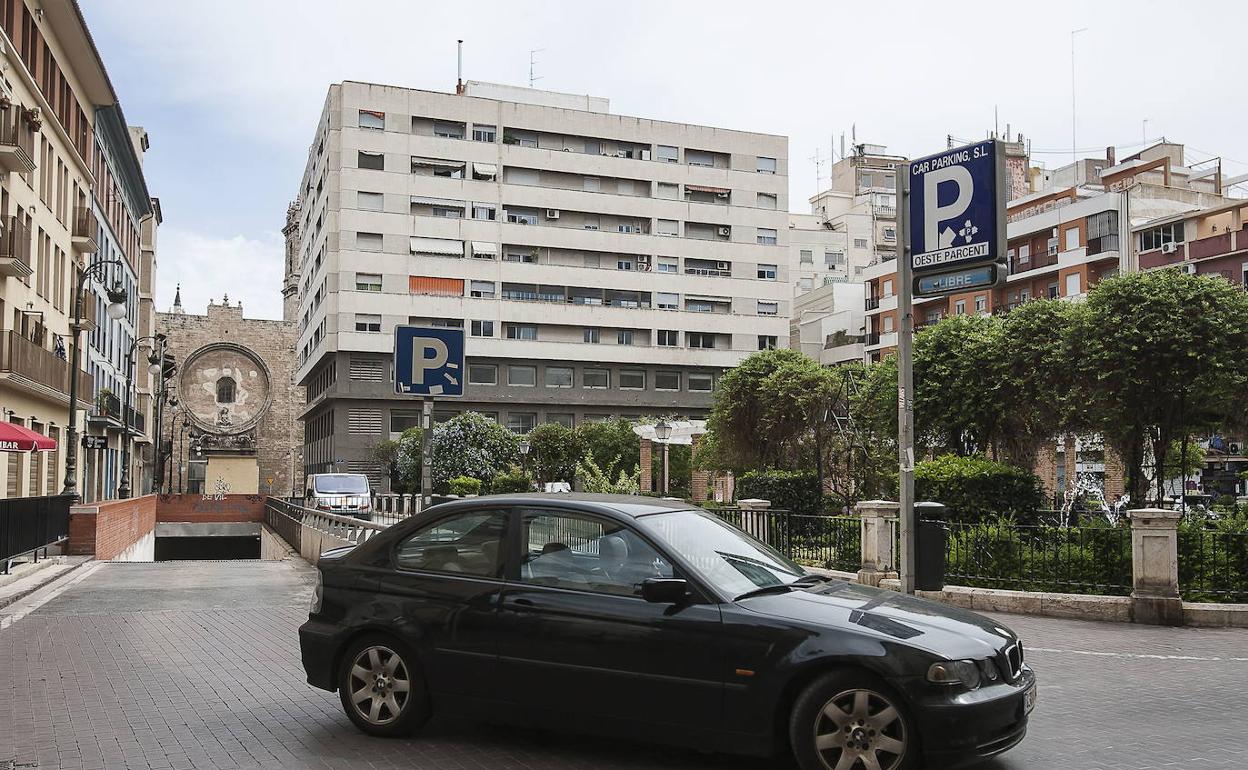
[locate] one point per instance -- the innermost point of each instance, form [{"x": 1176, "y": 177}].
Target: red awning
[{"x": 15, "y": 438}]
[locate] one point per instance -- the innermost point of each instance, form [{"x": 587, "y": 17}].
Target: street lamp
[
  {"x": 123, "y": 489},
  {"x": 524, "y": 448},
  {"x": 116, "y": 310},
  {"x": 662, "y": 432}
]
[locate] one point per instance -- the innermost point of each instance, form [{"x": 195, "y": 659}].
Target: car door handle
[{"x": 526, "y": 603}]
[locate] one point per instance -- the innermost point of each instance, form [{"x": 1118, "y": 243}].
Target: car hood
[{"x": 946, "y": 631}]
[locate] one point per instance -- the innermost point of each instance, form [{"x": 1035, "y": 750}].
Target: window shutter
[
  {"x": 366, "y": 422},
  {"x": 367, "y": 369}
]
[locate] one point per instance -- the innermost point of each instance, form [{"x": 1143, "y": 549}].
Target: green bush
[
  {"x": 978, "y": 489},
  {"x": 465, "y": 485},
  {"x": 793, "y": 491},
  {"x": 1000, "y": 554},
  {"x": 592, "y": 478},
  {"x": 508, "y": 483}
]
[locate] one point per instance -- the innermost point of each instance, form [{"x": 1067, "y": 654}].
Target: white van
[{"x": 347, "y": 494}]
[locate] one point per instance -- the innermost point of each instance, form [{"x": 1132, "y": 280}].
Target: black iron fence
[
  {"x": 30, "y": 525},
  {"x": 830, "y": 542},
  {"x": 1213, "y": 565},
  {"x": 1089, "y": 560}
]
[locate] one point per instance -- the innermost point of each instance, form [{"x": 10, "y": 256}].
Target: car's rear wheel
[
  {"x": 848, "y": 720},
  {"x": 381, "y": 687}
]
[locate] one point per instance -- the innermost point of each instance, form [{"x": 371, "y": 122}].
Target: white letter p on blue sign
[
  {"x": 427, "y": 354},
  {"x": 935, "y": 214}
]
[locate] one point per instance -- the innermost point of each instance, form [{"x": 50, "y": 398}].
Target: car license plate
[{"x": 1029, "y": 699}]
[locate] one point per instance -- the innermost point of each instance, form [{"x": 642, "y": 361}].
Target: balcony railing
[
  {"x": 84, "y": 230},
  {"x": 14, "y": 248},
  {"x": 107, "y": 407},
  {"x": 872, "y": 339},
  {"x": 17, "y": 142},
  {"x": 19, "y": 356},
  {"x": 873, "y": 303}
]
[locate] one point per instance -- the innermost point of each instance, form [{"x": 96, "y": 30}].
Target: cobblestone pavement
[{"x": 195, "y": 665}]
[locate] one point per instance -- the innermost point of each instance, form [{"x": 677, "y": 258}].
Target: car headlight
[
  {"x": 963, "y": 672},
  {"x": 988, "y": 670}
]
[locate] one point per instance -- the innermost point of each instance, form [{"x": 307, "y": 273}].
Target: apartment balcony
[
  {"x": 37, "y": 366},
  {"x": 872, "y": 303},
  {"x": 106, "y": 409},
  {"x": 14, "y": 248},
  {"x": 17, "y": 142},
  {"x": 85, "y": 230}
]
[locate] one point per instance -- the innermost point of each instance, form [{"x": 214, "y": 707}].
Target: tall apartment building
[
  {"x": 817, "y": 254},
  {"x": 52, "y": 86},
  {"x": 861, "y": 201},
  {"x": 601, "y": 265}
]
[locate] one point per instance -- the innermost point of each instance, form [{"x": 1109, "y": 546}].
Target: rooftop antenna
[
  {"x": 995, "y": 123},
  {"x": 533, "y": 60},
  {"x": 1144, "y": 132},
  {"x": 818, "y": 169},
  {"x": 459, "y": 72},
  {"x": 842, "y": 145}
]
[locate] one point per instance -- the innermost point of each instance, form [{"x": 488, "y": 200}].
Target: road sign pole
[
  {"x": 426, "y": 453},
  {"x": 905, "y": 380}
]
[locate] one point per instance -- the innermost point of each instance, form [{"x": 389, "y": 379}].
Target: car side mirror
[{"x": 664, "y": 590}]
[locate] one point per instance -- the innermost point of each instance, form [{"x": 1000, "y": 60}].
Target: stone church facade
[{"x": 234, "y": 428}]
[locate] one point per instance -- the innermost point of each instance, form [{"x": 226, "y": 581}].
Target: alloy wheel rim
[
  {"x": 380, "y": 685},
  {"x": 860, "y": 730}
]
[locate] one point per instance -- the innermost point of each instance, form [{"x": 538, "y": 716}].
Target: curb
[{"x": 66, "y": 578}]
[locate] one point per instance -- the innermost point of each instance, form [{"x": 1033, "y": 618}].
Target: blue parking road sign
[
  {"x": 957, "y": 207},
  {"x": 428, "y": 362}
]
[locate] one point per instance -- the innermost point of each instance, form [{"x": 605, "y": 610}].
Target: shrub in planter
[
  {"x": 976, "y": 488},
  {"x": 507, "y": 483},
  {"x": 464, "y": 485}
]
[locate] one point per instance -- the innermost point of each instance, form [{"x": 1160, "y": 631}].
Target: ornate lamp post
[
  {"x": 154, "y": 367},
  {"x": 662, "y": 432},
  {"x": 116, "y": 310},
  {"x": 524, "y": 446}
]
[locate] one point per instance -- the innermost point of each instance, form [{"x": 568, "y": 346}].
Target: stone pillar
[
  {"x": 647, "y": 475},
  {"x": 878, "y": 520},
  {"x": 700, "y": 481},
  {"x": 1155, "y": 567}
]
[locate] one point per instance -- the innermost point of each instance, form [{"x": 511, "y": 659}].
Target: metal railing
[
  {"x": 288, "y": 519},
  {"x": 16, "y": 132},
  {"x": 30, "y": 525},
  {"x": 15, "y": 240},
  {"x": 830, "y": 542},
  {"x": 1213, "y": 565},
  {"x": 85, "y": 225},
  {"x": 1092, "y": 560},
  {"x": 21, "y": 356}
]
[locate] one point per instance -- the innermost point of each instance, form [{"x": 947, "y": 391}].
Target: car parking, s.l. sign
[
  {"x": 428, "y": 362},
  {"x": 957, "y": 207}
]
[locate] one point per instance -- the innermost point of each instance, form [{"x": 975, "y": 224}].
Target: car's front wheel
[
  {"x": 847, "y": 720},
  {"x": 381, "y": 687}
]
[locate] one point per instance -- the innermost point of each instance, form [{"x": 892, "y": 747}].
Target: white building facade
[{"x": 600, "y": 265}]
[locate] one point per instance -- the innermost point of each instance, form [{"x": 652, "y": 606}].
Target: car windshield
[
  {"x": 723, "y": 555},
  {"x": 341, "y": 484}
]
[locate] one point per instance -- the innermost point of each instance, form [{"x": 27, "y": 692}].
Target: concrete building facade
[{"x": 600, "y": 265}]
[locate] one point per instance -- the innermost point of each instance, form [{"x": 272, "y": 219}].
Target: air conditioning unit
[
  {"x": 725, "y": 231},
  {"x": 1234, "y": 448},
  {"x": 1189, "y": 268},
  {"x": 552, "y": 213},
  {"x": 643, "y": 259},
  {"x": 721, "y": 266},
  {"x": 645, "y": 155},
  {"x": 1169, "y": 247}
]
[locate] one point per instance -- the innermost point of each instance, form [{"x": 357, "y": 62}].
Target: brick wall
[
  {"x": 195, "y": 509},
  {"x": 647, "y": 470},
  {"x": 106, "y": 529},
  {"x": 700, "y": 484}
]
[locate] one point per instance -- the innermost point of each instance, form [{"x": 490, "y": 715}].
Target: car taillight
[{"x": 322, "y": 506}]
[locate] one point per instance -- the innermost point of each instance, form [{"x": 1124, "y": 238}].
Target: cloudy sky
[{"x": 230, "y": 90}]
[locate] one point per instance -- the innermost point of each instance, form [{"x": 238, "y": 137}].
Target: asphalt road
[{"x": 195, "y": 665}]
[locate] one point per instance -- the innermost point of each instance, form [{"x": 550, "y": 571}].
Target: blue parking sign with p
[
  {"x": 428, "y": 361},
  {"x": 957, "y": 207}
]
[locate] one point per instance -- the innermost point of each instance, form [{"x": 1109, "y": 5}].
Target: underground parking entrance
[{"x": 180, "y": 541}]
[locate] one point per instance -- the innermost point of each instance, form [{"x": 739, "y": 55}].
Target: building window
[
  {"x": 225, "y": 390},
  {"x": 888, "y": 288},
  {"x": 591, "y": 335},
  {"x": 524, "y": 376},
  {"x": 701, "y": 382},
  {"x": 624, "y": 264},
  {"x": 482, "y": 133},
  {"x": 448, "y": 130},
  {"x": 623, "y": 187},
  {"x": 1072, "y": 238},
  {"x": 624, "y": 337},
  {"x": 558, "y": 377},
  {"x": 482, "y": 374},
  {"x": 981, "y": 304},
  {"x": 371, "y": 160},
  {"x": 767, "y": 272},
  {"x": 368, "y": 241},
  {"x": 483, "y": 328},
  {"x": 668, "y": 338},
  {"x": 699, "y": 158},
  {"x": 667, "y": 154},
  {"x": 665, "y": 300},
  {"x": 1053, "y": 290},
  {"x": 520, "y": 256},
  {"x": 1024, "y": 254},
  {"x": 890, "y": 233},
  {"x": 766, "y": 236},
  {"x": 700, "y": 339},
  {"x": 521, "y": 218},
  {"x": 483, "y": 211},
  {"x": 667, "y": 227},
  {"x": 667, "y": 265},
  {"x": 367, "y": 323},
  {"x": 768, "y": 201},
  {"x": 481, "y": 289},
  {"x": 560, "y": 418},
  {"x": 668, "y": 190},
  {"x": 369, "y": 201},
  {"x": 521, "y": 331},
  {"x": 667, "y": 380},
  {"x": 766, "y": 342},
  {"x": 959, "y": 307},
  {"x": 834, "y": 259},
  {"x": 889, "y": 324},
  {"x": 766, "y": 165},
  {"x": 807, "y": 257},
  {"x": 373, "y": 120},
  {"x": 521, "y": 422},
  {"x": 367, "y": 282},
  {"x": 768, "y": 308},
  {"x": 1072, "y": 285},
  {"x": 860, "y": 243},
  {"x": 596, "y": 379},
  {"x": 632, "y": 379}
]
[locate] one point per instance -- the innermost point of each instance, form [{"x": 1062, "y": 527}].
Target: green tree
[
  {"x": 554, "y": 452},
  {"x": 1162, "y": 356},
  {"x": 797, "y": 412},
  {"x": 612, "y": 443},
  {"x": 957, "y": 383},
  {"x": 739, "y": 419},
  {"x": 468, "y": 444}
]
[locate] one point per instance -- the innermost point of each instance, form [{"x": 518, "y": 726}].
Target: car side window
[
  {"x": 567, "y": 550},
  {"x": 469, "y": 543}
]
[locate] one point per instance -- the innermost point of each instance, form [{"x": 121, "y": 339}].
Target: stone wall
[
  {"x": 277, "y": 432},
  {"x": 107, "y": 530},
  {"x": 208, "y": 510}
]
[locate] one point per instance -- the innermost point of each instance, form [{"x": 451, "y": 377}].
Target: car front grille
[{"x": 1012, "y": 660}]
